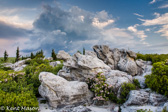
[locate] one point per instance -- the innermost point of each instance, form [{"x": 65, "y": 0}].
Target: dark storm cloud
[{"x": 9, "y": 31}]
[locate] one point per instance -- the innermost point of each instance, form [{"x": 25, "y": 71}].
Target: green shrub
[
  {"x": 141, "y": 110},
  {"x": 14, "y": 90},
  {"x": 99, "y": 87},
  {"x": 158, "y": 80},
  {"x": 106, "y": 92},
  {"x": 136, "y": 83},
  {"x": 152, "y": 57},
  {"x": 33, "y": 70},
  {"x": 125, "y": 89}
]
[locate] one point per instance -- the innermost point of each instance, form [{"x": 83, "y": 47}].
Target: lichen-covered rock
[
  {"x": 116, "y": 78},
  {"x": 144, "y": 97},
  {"x": 18, "y": 66},
  {"x": 53, "y": 64},
  {"x": 63, "y": 55},
  {"x": 82, "y": 67},
  {"x": 58, "y": 91},
  {"x": 117, "y": 59}
]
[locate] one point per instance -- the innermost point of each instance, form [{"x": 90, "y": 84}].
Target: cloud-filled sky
[{"x": 71, "y": 25}]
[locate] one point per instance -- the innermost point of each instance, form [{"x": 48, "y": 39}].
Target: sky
[{"x": 71, "y": 25}]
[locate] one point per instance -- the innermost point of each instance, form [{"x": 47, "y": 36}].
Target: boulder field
[{"x": 68, "y": 90}]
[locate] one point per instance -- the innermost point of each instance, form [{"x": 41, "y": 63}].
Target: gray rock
[
  {"x": 122, "y": 59},
  {"x": 53, "y": 64},
  {"x": 82, "y": 67},
  {"x": 18, "y": 66},
  {"x": 58, "y": 91},
  {"x": 63, "y": 55},
  {"x": 144, "y": 97},
  {"x": 116, "y": 78},
  {"x": 90, "y": 53}
]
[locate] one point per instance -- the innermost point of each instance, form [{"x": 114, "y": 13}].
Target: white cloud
[
  {"x": 153, "y": 1},
  {"x": 138, "y": 33},
  {"x": 99, "y": 24},
  {"x": 160, "y": 20},
  {"x": 164, "y": 6},
  {"x": 147, "y": 29},
  {"x": 156, "y": 14},
  {"x": 17, "y": 22},
  {"x": 138, "y": 15}
]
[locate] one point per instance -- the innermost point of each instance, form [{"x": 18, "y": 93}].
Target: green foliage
[
  {"x": 5, "y": 56},
  {"x": 106, "y": 92},
  {"x": 83, "y": 51},
  {"x": 53, "y": 55},
  {"x": 164, "y": 109},
  {"x": 9, "y": 60},
  {"x": 17, "y": 55},
  {"x": 125, "y": 89},
  {"x": 158, "y": 80},
  {"x": 136, "y": 83},
  {"x": 32, "y": 56},
  {"x": 152, "y": 57},
  {"x": 99, "y": 87},
  {"x": 33, "y": 70},
  {"x": 14, "y": 90},
  {"x": 141, "y": 110}
]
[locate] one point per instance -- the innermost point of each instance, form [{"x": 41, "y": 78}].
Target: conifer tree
[
  {"x": 32, "y": 55},
  {"x": 17, "y": 54},
  {"x": 5, "y": 56},
  {"x": 53, "y": 55},
  {"x": 83, "y": 51}
]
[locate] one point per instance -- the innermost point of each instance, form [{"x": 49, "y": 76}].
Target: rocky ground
[{"x": 68, "y": 91}]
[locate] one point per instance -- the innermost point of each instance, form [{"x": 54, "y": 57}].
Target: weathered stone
[
  {"x": 144, "y": 97},
  {"x": 53, "y": 64},
  {"x": 122, "y": 59},
  {"x": 59, "y": 92},
  {"x": 63, "y": 55}
]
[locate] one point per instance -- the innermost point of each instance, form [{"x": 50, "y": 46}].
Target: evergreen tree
[
  {"x": 83, "y": 51},
  {"x": 53, "y": 55},
  {"x": 32, "y": 55},
  {"x": 17, "y": 54},
  {"x": 5, "y": 56}
]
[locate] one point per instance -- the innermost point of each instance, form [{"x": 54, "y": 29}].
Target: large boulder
[
  {"x": 59, "y": 92},
  {"x": 63, "y": 55},
  {"x": 116, "y": 78},
  {"x": 144, "y": 97},
  {"x": 82, "y": 67},
  {"x": 146, "y": 71},
  {"x": 18, "y": 66},
  {"x": 117, "y": 59},
  {"x": 53, "y": 64}
]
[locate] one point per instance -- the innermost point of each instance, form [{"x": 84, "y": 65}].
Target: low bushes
[
  {"x": 105, "y": 92},
  {"x": 33, "y": 70},
  {"x": 15, "y": 92},
  {"x": 158, "y": 80}
]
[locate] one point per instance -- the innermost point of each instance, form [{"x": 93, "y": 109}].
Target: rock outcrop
[
  {"x": 60, "y": 92},
  {"x": 81, "y": 67},
  {"x": 143, "y": 97},
  {"x": 18, "y": 66},
  {"x": 63, "y": 55},
  {"x": 54, "y": 64},
  {"x": 116, "y": 78},
  {"x": 118, "y": 59}
]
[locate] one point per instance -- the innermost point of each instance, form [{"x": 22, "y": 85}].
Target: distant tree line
[{"x": 152, "y": 57}]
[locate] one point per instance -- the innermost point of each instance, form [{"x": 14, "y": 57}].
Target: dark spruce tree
[
  {"x": 83, "y": 51},
  {"x": 5, "y": 56},
  {"x": 53, "y": 55},
  {"x": 32, "y": 55},
  {"x": 17, "y": 54}
]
